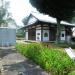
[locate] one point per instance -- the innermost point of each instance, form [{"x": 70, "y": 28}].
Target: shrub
[
  {"x": 72, "y": 73},
  {"x": 52, "y": 60}
]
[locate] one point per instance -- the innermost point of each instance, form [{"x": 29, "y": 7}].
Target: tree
[
  {"x": 25, "y": 20},
  {"x": 4, "y": 14},
  {"x": 60, "y": 9}
]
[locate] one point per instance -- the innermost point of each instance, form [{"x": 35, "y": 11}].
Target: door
[
  {"x": 52, "y": 33},
  {"x": 46, "y": 35},
  {"x": 32, "y": 34}
]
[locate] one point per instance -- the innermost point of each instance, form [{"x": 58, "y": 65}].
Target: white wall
[
  {"x": 26, "y": 35},
  {"x": 68, "y": 38},
  {"x": 38, "y": 35},
  {"x": 46, "y": 39},
  {"x": 62, "y": 36}
]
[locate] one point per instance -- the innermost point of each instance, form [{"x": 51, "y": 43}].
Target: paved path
[{"x": 13, "y": 63}]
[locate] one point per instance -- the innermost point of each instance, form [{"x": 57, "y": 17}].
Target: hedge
[{"x": 52, "y": 60}]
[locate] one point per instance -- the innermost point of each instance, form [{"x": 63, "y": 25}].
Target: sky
[{"x": 20, "y": 9}]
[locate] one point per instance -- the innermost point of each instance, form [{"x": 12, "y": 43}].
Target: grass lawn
[{"x": 50, "y": 57}]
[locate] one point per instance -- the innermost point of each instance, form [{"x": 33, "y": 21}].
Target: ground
[{"x": 13, "y": 63}]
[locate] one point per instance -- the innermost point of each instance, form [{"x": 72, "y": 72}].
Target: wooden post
[
  {"x": 49, "y": 33},
  {"x": 41, "y": 32}
]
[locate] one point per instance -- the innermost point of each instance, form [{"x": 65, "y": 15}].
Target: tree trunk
[{"x": 58, "y": 31}]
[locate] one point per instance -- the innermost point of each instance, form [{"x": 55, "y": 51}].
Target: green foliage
[
  {"x": 61, "y": 10},
  {"x": 72, "y": 73},
  {"x": 4, "y": 14},
  {"x": 20, "y": 33},
  {"x": 59, "y": 45},
  {"x": 65, "y": 45},
  {"x": 52, "y": 60}
]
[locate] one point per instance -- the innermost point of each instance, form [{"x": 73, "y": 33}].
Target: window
[
  {"x": 38, "y": 38},
  {"x": 38, "y": 33},
  {"x": 62, "y": 35},
  {"x": 45, "y": 34}
]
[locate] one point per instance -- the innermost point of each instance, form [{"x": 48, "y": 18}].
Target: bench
[{"x": 70, "y": 52}]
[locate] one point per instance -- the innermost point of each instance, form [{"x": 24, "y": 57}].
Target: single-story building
[{"x": 39, "y": 27}]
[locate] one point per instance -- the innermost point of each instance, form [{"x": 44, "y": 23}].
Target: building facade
[{"x": 41, "y": 30}]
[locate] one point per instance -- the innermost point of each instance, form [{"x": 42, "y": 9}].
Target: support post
[{"x": 41, "y": 32}]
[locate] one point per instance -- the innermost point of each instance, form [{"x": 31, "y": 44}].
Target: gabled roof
[
  {"x": 44, "y": 18},
  {"x": 34, "y": 17}
]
